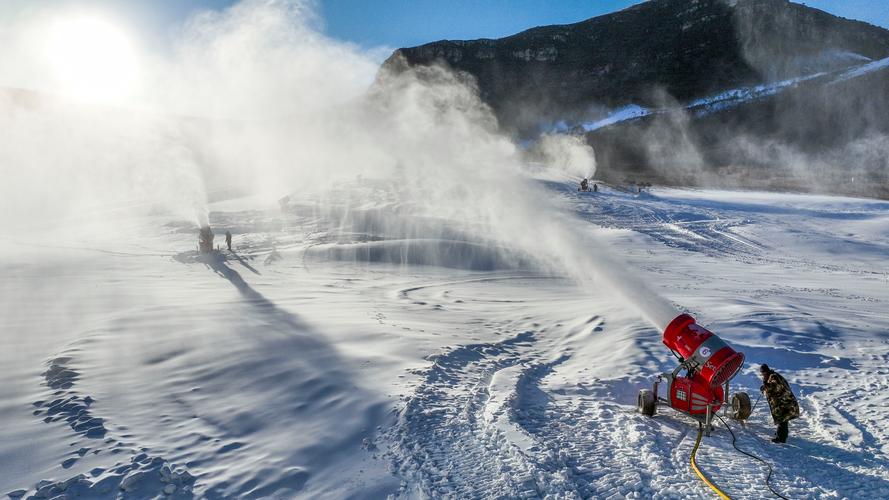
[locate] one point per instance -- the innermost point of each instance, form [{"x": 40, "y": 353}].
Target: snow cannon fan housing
[
  {"x": 692, "y": 395},
  {"x": 705, "y": 353}
]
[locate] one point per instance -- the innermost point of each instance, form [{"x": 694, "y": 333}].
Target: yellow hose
[{"x": 694, "y": 466}]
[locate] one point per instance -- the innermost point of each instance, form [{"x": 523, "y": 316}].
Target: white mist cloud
[
  {"x": 570, "y": 153},
  {"x": 254, "y": 97}
]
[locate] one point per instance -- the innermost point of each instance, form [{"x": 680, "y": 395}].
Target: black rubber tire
[
  {"x": 741, "y": 406},
  {"x": 646, "y": 403}
]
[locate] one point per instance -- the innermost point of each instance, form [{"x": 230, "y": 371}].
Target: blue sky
[{"x": 399, "y": 23}]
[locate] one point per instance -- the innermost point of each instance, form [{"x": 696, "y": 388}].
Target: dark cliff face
[{"x": 684, "y": 49}]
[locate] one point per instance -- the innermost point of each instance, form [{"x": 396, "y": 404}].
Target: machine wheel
[
  {"x": 740, "y": 406},
  {"x": 646, "y": 403}
]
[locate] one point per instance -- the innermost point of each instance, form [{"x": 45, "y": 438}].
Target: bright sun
[{"x": 92, "y": 59}]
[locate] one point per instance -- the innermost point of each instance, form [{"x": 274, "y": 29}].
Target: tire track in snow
[
  {"x": 442, "y": 444},
  {"x": 591, "y": 447},
  {"x": 466, "y": 434},
  {"x": 677, "y": 225},
  {"x": 456, "y": 438},
  {"x": 485, "y": 422},
  {"x": 600, "y": 448}
]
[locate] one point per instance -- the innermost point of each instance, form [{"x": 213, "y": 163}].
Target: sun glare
[{"x": 92, "y": 59}]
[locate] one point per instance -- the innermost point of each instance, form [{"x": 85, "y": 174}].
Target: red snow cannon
[
  {"x": 709, "y": 365},
  {"x": 701, "y": 351},
  {"x": 692, "y": 395}
]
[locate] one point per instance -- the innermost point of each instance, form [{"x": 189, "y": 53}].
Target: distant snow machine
[
  {"x": 709, "y": 363},
  {"x": 205, "y": 240}
]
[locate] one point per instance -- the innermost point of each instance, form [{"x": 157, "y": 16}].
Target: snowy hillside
[
  {"x": 729, "y": 98},
  {"x": 327, "y": 359}
]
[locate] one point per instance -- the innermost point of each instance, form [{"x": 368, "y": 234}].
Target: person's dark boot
[{"x": 781, "y": 435}]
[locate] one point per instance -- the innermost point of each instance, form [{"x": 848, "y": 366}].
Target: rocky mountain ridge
[
  {"x": 671, "y": 54},
  {"x": 685, "y": 49}
]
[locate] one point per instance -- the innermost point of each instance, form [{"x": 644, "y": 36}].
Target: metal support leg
[
  {"x": 657, "y": 382},
  {"x": 709, "y": 419},
  {"x": 725, "y": 400}
]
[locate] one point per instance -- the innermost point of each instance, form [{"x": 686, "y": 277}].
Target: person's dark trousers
[{"x": 782, "y": 432}]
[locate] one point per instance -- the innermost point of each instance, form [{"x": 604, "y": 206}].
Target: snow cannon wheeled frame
[{"x": 709, "y": 364}]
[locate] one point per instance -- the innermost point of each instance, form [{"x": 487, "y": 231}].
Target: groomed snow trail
[
  {"x": 519, "y": 418},
  {"x": 482, "y": 424},
  {"x": 454, "y": 434},
  {"x": 444, "y": 445},
  {"x": 325, "y": 360}
]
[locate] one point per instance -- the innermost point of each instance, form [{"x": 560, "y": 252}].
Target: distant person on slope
[
  {"x": 584, "y": 185},
  {"x": 228, "y": 240},
  {"x": 781, "y": 400},
  {"x": 595, "y": 188}
]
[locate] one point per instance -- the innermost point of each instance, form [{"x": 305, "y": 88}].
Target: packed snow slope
[{"x": 326, "y": 359}]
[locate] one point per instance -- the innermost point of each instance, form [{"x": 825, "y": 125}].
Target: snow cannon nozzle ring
[{"x": 702, "y": 350}]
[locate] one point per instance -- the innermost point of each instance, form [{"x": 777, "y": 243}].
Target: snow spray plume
[
  {"x": 569, "y": 153},
  {"x": 434, "y": 164},
  {"x": 64, "y": 162},
  {"x": 798, "y": 146},
  {"x": 671, "y": 147},
  {"x": 67, "y": 159},
  {"x": 453, "y": 146},
  {"x": 808, "y": 112},
  {"x": 826, "y": 134},
  {"x": 278, "y": 109}
]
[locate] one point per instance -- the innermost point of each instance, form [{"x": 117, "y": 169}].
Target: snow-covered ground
[{"x": 316, "y": 361}]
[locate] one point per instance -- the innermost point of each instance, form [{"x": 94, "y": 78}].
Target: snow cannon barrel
[{"x": 702, "y": 350}]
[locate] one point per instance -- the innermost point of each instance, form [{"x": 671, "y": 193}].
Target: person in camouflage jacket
[{"x": 784, "y": 405}]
